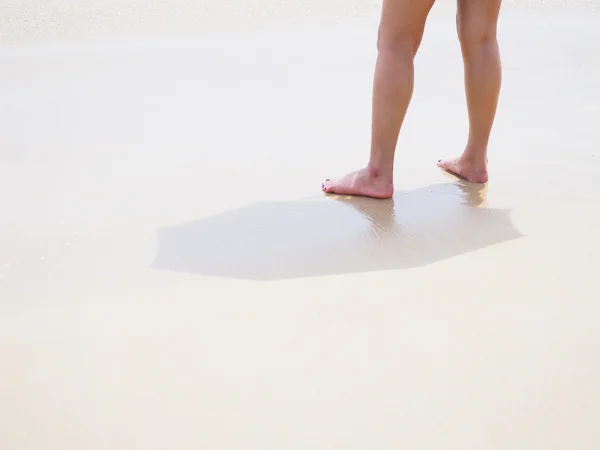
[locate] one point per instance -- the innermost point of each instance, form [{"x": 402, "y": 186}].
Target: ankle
[
  {"x": 380, "y": 171},
  {"x": 475, "y": 158}
]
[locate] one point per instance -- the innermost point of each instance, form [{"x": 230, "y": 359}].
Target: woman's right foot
[
  {"x": 365, "y": 183},
  {"x": 465, "y": 169}
]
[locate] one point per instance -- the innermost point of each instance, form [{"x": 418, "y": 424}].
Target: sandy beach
[{"x": 172, "y": 277}]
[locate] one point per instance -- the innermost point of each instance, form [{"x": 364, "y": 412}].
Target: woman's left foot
[{"x": 465, "y": 169}]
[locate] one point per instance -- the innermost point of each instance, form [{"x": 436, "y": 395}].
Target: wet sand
[{"x": 172, "y": 277}]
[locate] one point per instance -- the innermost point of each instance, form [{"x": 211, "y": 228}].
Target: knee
[
  {"x": 475, "y": 31},
  {"x": 398, "y": 41}
]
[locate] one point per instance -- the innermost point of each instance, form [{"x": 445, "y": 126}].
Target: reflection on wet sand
[
  {"x": 382, "y": 216},
  {"x": 283, "y": 240}
]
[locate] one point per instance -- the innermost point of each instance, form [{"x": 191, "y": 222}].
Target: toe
[
  {"x": 327, "y": 186},
  {"x": 449, "y": 165},
  {"x": 442, "y": 164}
]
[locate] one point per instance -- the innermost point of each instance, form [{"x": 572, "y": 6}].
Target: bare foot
[
  {"x": 469, "y": 171},
  {"x": 363, "y": 183}
]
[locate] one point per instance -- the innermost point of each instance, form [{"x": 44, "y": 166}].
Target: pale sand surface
[{"x": 172, "y": 278}]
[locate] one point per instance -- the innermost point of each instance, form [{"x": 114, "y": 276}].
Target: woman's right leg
[{"x": 400, "y": 34}]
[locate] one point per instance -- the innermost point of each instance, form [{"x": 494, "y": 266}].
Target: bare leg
[
  {"x": 477, "y": 22},
  {"x": 400, "y": 34}
]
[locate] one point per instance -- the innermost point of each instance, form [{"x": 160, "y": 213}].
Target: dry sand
[{"x": 172, "y": 278}]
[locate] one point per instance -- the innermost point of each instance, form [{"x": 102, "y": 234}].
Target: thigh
[
  {"x": 404, "y": 18},
  {"x": 478, "y": 16}
]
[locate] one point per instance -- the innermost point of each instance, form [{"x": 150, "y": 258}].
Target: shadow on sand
[{"x": 336, "y": 235}]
